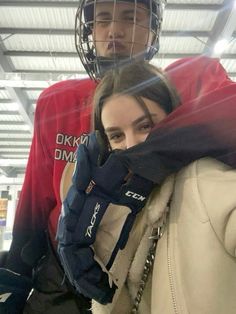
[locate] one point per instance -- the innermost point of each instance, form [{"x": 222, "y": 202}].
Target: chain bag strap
[{"x": 155, "y": 236}]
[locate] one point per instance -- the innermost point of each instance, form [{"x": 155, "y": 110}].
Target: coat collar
[{"x": 159, "y": 200}]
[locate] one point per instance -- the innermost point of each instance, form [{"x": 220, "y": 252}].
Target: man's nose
[{"x": 116, "y": 30}]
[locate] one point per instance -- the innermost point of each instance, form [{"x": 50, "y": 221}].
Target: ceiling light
[
  {"x": 220, "y": 46},
  {"x": 25, "y": 84},
  {"x": 10, "y": 181},
  {"x": 13, "y": 106},
  {"x": 13, "y": 162},
  {"x": 37, "y": 80},
  {"x": 25, "y": 127}
]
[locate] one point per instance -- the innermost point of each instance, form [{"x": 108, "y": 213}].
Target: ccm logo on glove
[
  {"x": 135, "y": 196},
  {"x": 93, "y": 220}
]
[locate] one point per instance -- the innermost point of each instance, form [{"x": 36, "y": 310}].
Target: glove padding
[
  {"x": 3, "y": 258},
  {"x": 96, "y": 184},
  {"x": 14, "y": 290}
]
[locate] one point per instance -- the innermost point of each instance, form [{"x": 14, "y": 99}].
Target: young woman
[{"x": 193, "y": 212}]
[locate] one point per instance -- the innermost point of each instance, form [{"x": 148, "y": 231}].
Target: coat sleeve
[
  {"x": 202, "y": 127},
  {"x": 216, "y": 186}
]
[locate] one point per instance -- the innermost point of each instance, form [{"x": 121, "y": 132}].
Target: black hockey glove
[
  {"x": 3, "y": 258},
  {"x": 95, "y": 184},
  {"x": 14, "y": 290}
]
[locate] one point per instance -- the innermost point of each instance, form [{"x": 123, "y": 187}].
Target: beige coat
[{"x": 195, "y": 267}]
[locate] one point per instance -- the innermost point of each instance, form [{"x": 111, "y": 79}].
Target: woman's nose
[{"x": 133, "y": 139}]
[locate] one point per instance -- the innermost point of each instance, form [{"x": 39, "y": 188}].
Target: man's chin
[
  {"x": 124, "y": 56},
  {"x": 116, "y": 55}
]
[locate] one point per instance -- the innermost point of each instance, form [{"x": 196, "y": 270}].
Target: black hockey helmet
[{"x": 97, "y": 65}]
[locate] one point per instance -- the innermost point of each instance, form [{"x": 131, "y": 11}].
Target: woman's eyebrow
[
  {"x": 144, "y": 117},
  {"x": 135, "y": 122},
  {"x": 112, "y": 129}
]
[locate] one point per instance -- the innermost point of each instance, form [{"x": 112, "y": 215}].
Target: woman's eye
[
  {"x": 115, "y": 137},
  {"x": 145, "y": 127}
]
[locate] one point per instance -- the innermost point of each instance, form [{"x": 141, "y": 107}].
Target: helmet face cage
[{"x": 85, "y": 43}]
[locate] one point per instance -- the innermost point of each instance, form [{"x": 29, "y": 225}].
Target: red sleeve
[
  {"x": 63, "y": 110},
  {"x": 195, "y": 77},
  {"x": 37, "y": 195},
  {"x": 202, "y": 127},
  {"x": 37, "y": 198}
]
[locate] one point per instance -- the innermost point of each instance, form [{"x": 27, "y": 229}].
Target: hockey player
[{"x": 62, "y": 116}]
